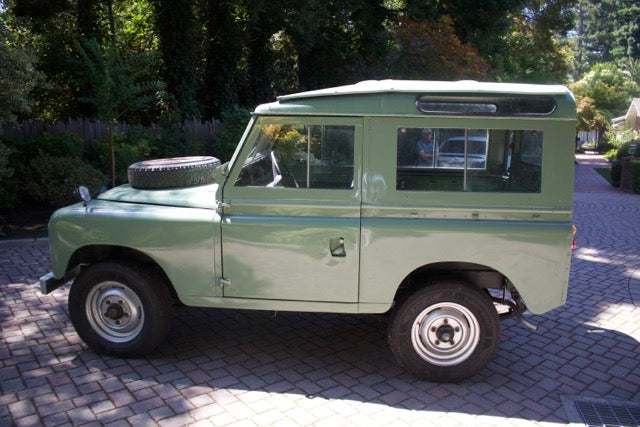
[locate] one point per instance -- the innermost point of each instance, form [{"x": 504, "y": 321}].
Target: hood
[{"x": 202, "y": 196}]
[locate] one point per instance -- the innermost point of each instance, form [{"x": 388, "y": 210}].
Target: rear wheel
[
  {"x": 445, "y": 332},
  {"x": 120, "y": 309}
]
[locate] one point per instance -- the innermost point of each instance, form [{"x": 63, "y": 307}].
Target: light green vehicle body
[{"x": 223, "y": 245}]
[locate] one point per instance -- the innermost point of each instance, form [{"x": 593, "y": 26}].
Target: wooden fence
[{"x": 88, "y": 130}]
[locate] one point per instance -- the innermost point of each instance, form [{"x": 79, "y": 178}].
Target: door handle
[{"x": 336, "y": 246}]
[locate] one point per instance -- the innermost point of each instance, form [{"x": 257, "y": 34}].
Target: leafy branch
[{"x": 115, "y": 85}]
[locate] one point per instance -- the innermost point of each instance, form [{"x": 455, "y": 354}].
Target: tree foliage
[
  {"x": 18, "y": 75},
  {"x": 606, "y": 51},
  {"x": 17, "y": 78},
  {"x": 609, "y": 87},
  {"x": 119, "y": 85},
  {"x": 535, "y": 49},
  {"x": 606, "y": 30},
  {"x": 176, "y": 27},
  {"x": 631, "y": 67},
  {"x": 217, "y": 54},
  {"x": 166, "y": 61},
  {"x": 220, "y": 74},
  {"x": 431, "y": 50},
  {"x": 336, "y": 42},
  {"x": 589, "y": 117},
  {"x": 521, "y": 40}
]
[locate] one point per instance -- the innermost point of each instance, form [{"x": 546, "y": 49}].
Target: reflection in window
[
  {"x": 478, "y": 160},
  {"x": 300, "y": 156},
  {"x": 442, "y": 148}
]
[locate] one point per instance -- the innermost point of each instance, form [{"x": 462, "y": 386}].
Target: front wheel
[
  {"x": 120, "y": 309},
  {"x": 445, "y": 332}
]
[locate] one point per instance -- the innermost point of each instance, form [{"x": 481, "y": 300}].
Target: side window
[
  {"x": 479, "y": 160},
  {"x": 300, "y": 156}
]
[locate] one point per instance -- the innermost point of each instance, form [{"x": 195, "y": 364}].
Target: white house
[{"x": 631, "y": 120}]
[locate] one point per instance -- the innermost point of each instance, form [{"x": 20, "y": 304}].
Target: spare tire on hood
[{"x": 172, "y": 172}]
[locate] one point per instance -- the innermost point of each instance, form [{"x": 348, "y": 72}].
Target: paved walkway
[{"x": 221, "y": 367}]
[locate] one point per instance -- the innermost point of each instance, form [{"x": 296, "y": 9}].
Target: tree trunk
[{"x": 112, "y": 156}]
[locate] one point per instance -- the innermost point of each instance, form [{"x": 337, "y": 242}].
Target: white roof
[{"x": 426, "y": 86}]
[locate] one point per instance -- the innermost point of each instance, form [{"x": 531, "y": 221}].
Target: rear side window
[{"x": 478, "y": 160}]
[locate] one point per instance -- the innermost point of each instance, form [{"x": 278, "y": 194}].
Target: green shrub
[
  {"x": 54, "y": 180},
  {"x": 623, "y": 150},
  {"x": 60, "y": 144},
  {"x": 234, "y": 122},
  {"x": 635, "y": 176},
  {"x": 16, "y": 186},
  {"x": 611, "y": 154},
  {"x": 616, "y": 172},
  {"x": 129, "y": 148},
  {"x": 6, "y": 172},
  {"x": 172, "y": 141},
  {"x": 605, "y": 147}
]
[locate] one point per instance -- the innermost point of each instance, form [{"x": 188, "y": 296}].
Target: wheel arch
[
  {"x": 475, "y": 275},
  {"x": 92, "y": 254}
]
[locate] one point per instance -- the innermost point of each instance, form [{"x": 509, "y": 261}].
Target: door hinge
[
  {"x": 223, "y": 282},
  {"x": 223, "y": 207}
]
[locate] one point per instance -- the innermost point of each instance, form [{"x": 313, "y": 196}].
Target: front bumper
[{"x": 48, "y": 283}]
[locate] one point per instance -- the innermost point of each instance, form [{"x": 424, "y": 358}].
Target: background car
[{"x": 450, "y": 153}]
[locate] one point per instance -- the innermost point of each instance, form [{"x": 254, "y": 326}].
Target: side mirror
[{"x": 85, "y": 195}]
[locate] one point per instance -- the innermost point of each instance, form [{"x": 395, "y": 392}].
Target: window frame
[
  {"x": 303, "y": 193},
  {"x": 466, "y": 173}
]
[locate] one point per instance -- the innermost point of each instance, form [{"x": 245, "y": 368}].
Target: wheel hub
[
  {"x": 445, "y": 334},
  {"x": 114, "y": 311}
]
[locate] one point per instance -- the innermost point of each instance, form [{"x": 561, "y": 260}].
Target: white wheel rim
[
  {"x": 445, "y": 334},
  {"x": 114, "y": 311}
]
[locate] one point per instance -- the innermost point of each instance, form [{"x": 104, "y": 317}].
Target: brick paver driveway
[{"x": 222, "y": 367}]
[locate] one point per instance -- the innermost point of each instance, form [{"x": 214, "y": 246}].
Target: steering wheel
[{"x": 277, "y": 171}]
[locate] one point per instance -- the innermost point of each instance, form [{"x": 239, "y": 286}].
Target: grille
[{"x": 608, "y": 414}]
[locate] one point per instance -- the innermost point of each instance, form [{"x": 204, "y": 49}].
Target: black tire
[
  {"x": 173, "y": 172},
  {"x": 445, "y": 332},
  {"x": 120, "y": 309}
]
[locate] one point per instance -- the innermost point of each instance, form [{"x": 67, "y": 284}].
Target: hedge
[{"x": 635, "y": 176}]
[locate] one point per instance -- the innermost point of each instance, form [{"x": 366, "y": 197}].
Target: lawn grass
[{"x": 605, "y": 173}]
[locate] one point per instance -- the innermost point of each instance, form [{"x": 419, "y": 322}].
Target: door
[{"x": 291, "y": 226}]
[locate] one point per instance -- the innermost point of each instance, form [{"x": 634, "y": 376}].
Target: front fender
[{"x": 182, "y": 241}]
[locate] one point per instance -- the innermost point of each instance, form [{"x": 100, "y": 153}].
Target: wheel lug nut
[{"x": 437, "y": 342}]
